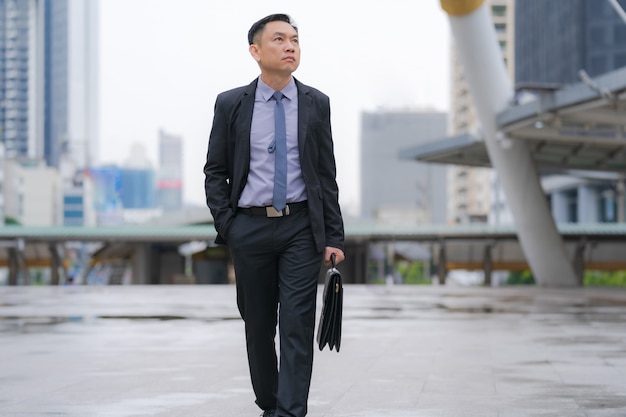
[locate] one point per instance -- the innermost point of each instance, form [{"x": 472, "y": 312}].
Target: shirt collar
[{"x": 290, "y": 91}]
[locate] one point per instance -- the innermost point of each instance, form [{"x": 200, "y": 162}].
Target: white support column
[
  {"x": 559, "y": 207},
  {"x": 588, "y": 204},
  {"x": 492, "y": 92}
]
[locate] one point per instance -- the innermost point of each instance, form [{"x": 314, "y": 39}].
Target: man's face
[{"x": 276, "y": 49}]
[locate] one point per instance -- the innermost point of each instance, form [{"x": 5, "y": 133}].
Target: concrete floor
[{"x": 407, "y": 351}]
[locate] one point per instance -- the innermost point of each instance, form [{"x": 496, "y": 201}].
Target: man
[{"x": 270, "y": 184}]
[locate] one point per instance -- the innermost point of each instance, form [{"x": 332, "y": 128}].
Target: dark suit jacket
[{"x": 228, "y": 161}]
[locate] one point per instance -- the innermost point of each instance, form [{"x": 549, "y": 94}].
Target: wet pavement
[{"x": 407, "y": 351}]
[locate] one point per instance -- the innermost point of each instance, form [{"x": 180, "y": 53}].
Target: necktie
[{"x": 280, "y": 163}]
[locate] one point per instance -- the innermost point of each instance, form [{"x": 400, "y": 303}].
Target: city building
[
  {"x": 21, "y": 78},
  {"x": 49, "y": 80},
  {"x": 78, "y": 200},
  {"x": 2, "y": 186},
  {"x": 31, "y": 192},
  {"x": 394, "y": 190},
  {"x": 472, "y": 190},
  {"x": 592, "y": 197},
  {"x": 138, "y": 180},
  {"x": 49, "y": 93},
  {"x": 170, "y": 172},
  {"x": 107, "y": 182},
  {"x": 71, "y": 82},
  {"x": 137, "y": 188},
  {"x": 558, "y": 38}
]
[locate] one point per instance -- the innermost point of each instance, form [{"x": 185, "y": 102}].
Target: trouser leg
[
  {"x": 276, "y": 260},
  {"x": 256, "y": 274},
  {"x": 299, "y": 267}
]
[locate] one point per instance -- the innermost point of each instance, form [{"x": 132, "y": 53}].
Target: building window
[
  {"x": 572, "y": 206},
  {"x": 597, "y": 36},
  {"x": 500, "y": 27},
  {"x": 72, "y": 214},
  {"x": 498, "y": 10},
  {"x": 608, "y": 207},
  {"x": 619, "y": 33},
  {"x": 73, "y": 200},
  {"x": 598, "y": 65}
]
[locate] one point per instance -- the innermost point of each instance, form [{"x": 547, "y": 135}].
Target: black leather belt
[{"x": 269, "y": 211}]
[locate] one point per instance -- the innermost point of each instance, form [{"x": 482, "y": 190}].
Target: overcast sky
[{"x": 163, "y": 62}]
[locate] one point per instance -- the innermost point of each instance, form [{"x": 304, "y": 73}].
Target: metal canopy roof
[
  {"x": 580, "y": 126},
  {"x": 464, "y": 149}
]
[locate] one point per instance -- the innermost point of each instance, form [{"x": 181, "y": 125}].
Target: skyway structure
[
  {"x": 153, "y": 256},
  {"x": 591, "y": 124}
]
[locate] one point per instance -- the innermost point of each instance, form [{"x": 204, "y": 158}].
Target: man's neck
[{"x": 276, "y": 82}]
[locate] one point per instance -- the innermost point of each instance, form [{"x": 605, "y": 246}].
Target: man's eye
[{"x": 278, "y": 38}]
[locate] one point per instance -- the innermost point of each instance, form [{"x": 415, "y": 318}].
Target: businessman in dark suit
[{"x": 270, "y": 184}]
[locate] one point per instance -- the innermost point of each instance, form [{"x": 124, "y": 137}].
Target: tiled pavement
[{"x": 407, "y": 351}]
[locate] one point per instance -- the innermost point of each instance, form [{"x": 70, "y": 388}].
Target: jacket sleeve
[
  {"x": 217, "y": 172},
  {"x": 333, "y": 221}
]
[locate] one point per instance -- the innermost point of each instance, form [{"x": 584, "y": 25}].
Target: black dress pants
[{"x": 277, "y": 268}]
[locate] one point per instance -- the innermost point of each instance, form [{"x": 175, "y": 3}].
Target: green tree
[
  {"x": 11, "y": 221},
  {"x": 412, "y": 273},
  {"x": 520, "y": 278},
  {"x": 605, "y": 279}
]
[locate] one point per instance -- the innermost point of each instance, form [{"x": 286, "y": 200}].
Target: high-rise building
[
  {"x": 21, "y": 78},
  {"x": 556, "y": 39},
  {"x": 394, "y": 190},
  {"x": 49, "y": 89},
  {"x": 49, "y": 79},
  {"x": 470, "y": 189},
  {"x": 137, "y": 188},
  {"x": 71, "y": 82},
  {"x": 170, "y": 171}
]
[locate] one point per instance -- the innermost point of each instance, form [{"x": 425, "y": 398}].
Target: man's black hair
[{"x": 260, "y": 25}]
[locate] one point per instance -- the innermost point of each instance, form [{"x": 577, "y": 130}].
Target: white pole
[
  {"x": 618, "y": 9},
  {"x": 492, "y": 92}
]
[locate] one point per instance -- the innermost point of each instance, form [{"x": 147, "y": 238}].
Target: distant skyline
[{"x": 164, "y": 62}]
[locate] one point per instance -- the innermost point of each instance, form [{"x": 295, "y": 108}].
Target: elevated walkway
[{"x": 152, "y": 251}]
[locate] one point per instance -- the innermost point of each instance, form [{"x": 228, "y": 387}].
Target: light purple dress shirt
[{"x": 259, "y": 188}]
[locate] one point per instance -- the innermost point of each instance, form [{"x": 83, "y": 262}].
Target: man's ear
[{"x": 254, "y": 51}]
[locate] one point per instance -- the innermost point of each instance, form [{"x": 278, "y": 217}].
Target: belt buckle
[{"x": 270, "y": 211}]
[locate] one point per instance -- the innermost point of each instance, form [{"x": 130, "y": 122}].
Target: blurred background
[{"x": 106, "y": 108}]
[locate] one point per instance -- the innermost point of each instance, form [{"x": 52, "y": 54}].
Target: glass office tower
[
  {"x": 21, "y": 82},
  {"x": 555, "y": 39}
]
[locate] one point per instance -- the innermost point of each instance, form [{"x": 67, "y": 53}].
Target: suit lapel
[
  {"x": 304, "y": 106},
  {"x": 243, "y": 121}
]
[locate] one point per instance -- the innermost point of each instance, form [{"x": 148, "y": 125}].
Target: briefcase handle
[{"x": 332, "y": 259}]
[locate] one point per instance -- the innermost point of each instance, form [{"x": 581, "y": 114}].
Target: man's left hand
[{"x": 339, "y": 256}]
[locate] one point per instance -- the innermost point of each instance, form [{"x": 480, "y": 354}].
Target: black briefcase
[{"x": 329, "y": 328}]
